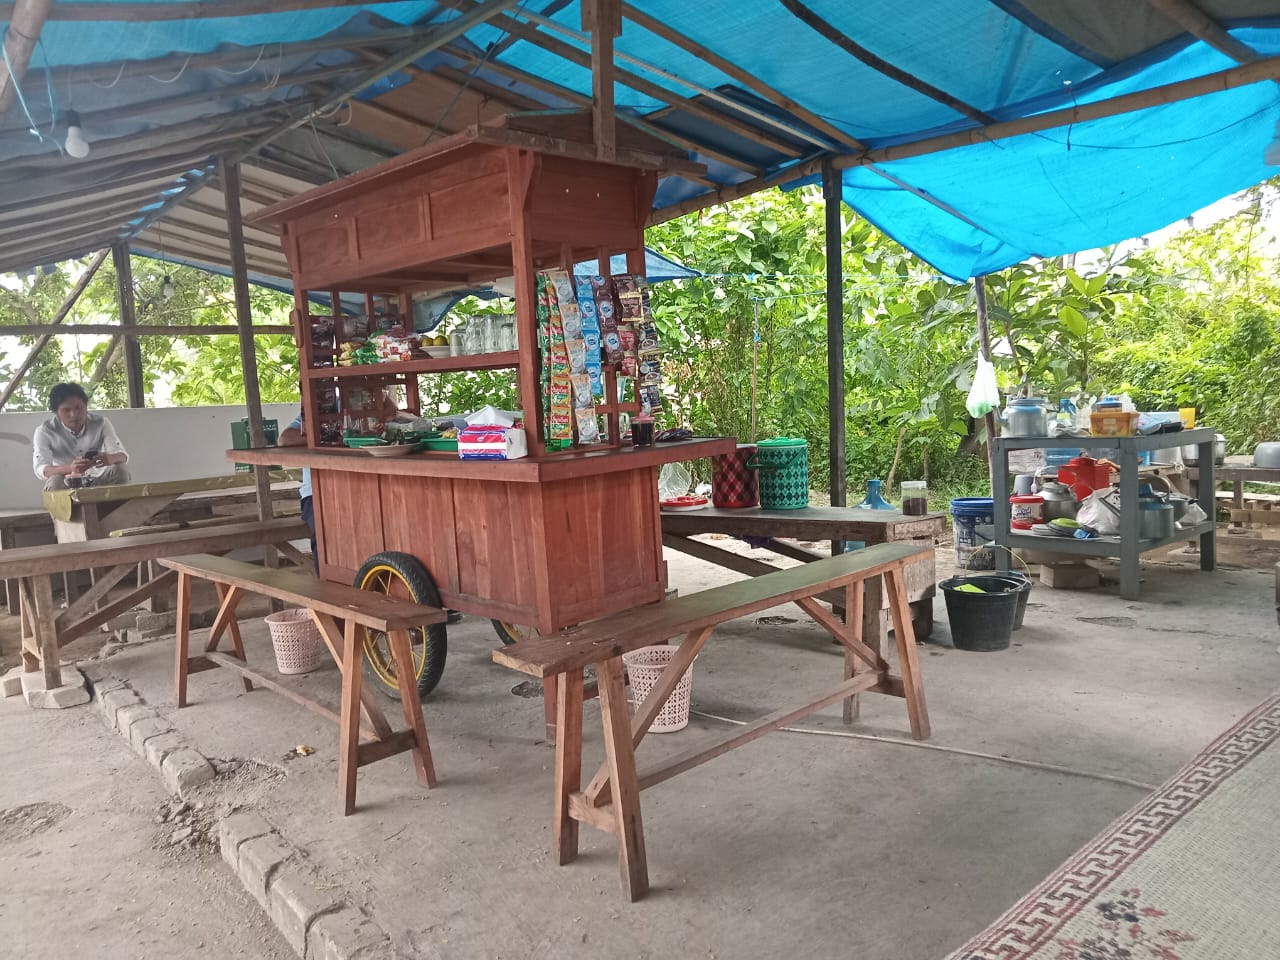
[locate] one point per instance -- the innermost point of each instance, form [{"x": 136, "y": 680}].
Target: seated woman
[{"x": 75, "y": 447}]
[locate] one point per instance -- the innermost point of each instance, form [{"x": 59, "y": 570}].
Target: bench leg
[
  {"x": 549, "y": 701},
  {"x": 403, "y": 653},
  {"x": 908, "y": 659},
  {"x": 228, "y": 601},
  {"x": 568, "y": 762},
  {"x": 47, "y": 631},
  {"x": 622, "y": 774},
  {"x": 27, "y": 620},
  {"x": 349, "y": 718},
  {"x": 182, "y": 637},
  {"x": 853, "y": 622}
]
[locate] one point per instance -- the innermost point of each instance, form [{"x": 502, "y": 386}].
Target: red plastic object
[
  {"x": 733, "y": 486},
  {"x": 1085, "y": 475}
]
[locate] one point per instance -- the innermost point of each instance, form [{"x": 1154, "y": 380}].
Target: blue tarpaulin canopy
[{"x": 1183, "y": 98}]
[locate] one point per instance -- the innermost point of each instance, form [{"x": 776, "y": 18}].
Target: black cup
[{"x": 642, "y": 433}]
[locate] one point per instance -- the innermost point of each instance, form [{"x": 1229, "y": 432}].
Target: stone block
[
  {"x": 156, "y": 624},
  {"x": 159, "y": 747},
  {"x": 1069, "y": 576},
  {"x": 258, "y": 859},
  {"x": 237, "y": 829},
  {"x": 184, "y": 769},
  {"x": 345, "y": 934},
  {"x": 143, "y": 730},
  {"x": 101, "y": 682},
  {"x": 128, "y": 716},
  {"x": 71, "y": 693},
  {"x": 11, "y": 683},
  {"x": 293, "y": 902},
  {"x": 110, "y": 702}
]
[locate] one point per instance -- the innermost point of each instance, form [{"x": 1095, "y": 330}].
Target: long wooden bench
[
  {"x": 45, "y": 628},
  {"x": 337, "y": 611},
  {"x": 611, "y": 800}
]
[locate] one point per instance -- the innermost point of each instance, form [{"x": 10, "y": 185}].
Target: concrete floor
[{"x": 845, "y": 847}]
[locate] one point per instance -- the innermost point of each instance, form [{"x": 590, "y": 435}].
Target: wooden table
[
  {"x": 13, "y": 524},
  {"x": 90, "y": 513},
  {"x": 771, "y": 529},
  {"x": 1239, "y": 471}
]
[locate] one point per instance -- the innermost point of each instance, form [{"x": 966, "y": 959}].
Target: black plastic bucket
[
  {"x": 1024, "y": 584},
  {"x": 982, "y": 621}
]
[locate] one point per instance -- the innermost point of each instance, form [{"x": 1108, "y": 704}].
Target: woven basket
[
  {"x": 297, "y": 642},
  {"x": 644, "y": 667}
]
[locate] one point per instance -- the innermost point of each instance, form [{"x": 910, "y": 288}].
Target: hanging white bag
[{"x": 984, "y": 394}]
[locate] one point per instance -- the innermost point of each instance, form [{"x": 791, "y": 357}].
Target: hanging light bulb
[
  {"x": 1271, "y": 156},
  {"x": 167, "y": 289},
  {"x": 77, "y": 146}
]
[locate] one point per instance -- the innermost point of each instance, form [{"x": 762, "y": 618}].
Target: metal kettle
[{"x": 1025, "y": 417}]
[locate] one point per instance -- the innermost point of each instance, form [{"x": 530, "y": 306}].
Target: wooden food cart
[{"x": 547, "y": 541}]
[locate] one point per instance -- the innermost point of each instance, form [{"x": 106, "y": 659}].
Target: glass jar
[
  {"x": 488, "y": 334},
  {"x": 507, "y": 334},
  {"x": 473, "y": 337},
  {"x": 915, "y": 498}
]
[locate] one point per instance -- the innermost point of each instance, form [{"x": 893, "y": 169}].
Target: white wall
[{"x": 173, "y": 443}]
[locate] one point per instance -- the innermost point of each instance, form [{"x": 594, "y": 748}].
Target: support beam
[
  {"x": 129, "y": 321},
  {"x": 230, "y": 171},
  {"x": 144, "y": 330},
  {"x": 984, "y": 346},
  {"x": 142, "y": 12},
  {"x": 603, "y": 20},
  {"x": 1199, "y": 24},
  {"x": 25, "y": 19},
  {"x": 61, "y": 315},
  {"x": 104, "y": 365},
  {"x": 835, "y": 339}
]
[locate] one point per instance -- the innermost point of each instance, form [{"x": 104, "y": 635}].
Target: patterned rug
[{"x": 1190, "y": 873}]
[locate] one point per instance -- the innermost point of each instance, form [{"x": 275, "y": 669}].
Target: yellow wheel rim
[{"x": 377, "y": 648}]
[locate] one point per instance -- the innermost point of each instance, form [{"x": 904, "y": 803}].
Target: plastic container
[
  {"x": 783, "y": 467},
  {"x": 971, "y": 515},
  {"x": 1024, "y": 584},
  {"x": 1025, "y": 510},
  {"x": 981, "y": 622},
  {"x": 644, "y": 666},
  {"x": 1057, "y": 456},
  {"x": 296, "y": 641},
  {"x": 734, "y": 485},
  {"x": 1113, "y": 423},
  {"x": 873, "y": 500}
]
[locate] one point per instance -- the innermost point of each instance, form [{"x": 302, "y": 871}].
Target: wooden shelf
[{"x": 507, "y": 359}]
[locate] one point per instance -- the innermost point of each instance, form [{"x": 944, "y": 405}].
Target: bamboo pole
[
  {"x": 25, "y": 19},
  {"x": 61, "y": 315}
]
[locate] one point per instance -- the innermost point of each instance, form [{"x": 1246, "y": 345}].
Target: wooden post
[
  {"x": 984, "y": 344},
  {"x": 61, "y": 315},
  {"x": 835, "y": 340},
  {"x": 129, "y": 320},
  {"x": 244, "y": 319},
  {"x": 25, "y": 24},
  {"x": 603, "y": 19}
]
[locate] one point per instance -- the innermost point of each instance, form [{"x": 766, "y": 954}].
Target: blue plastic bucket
[{"x": 974, "y": 519}]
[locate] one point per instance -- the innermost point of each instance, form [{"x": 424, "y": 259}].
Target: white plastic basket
[
  {"x": 297, "y": 643},
  {"x": 644, "y": 666}
]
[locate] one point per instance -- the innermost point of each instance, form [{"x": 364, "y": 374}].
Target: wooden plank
[
  {"x": 813, "y": 524},
  {"x": 400, "y": 741},
  {"x": 128, "y": 321},
  {"x": 613, "y": 636},
  {"x": 602, "y": 818},
  {"x": 632, "y": 861},
  {"x": 908, "y": 658},
  {"x": 369, "y": 609},
  {"x": 853, "y": 620},
  {"x": 695, "y": 756},
  {"x": 182, "y": 644},
  {"x": 568, "y": 765},
  {"x": 733, "y": 561},
  {"x": 410, "y": 705},
  {"x": 47, "y": 631},
  {"x": 828, "y": 621},
  {"x": 133, "y": 513},
  {"x": 102, "y": 585},
  {"x": 331, "y": 633},
  {"x": 65, "y": 557},
  {"x": 229, "y": 600},
  {"x": 104, "y": 613},
  {"x": 874, "y": 628}
]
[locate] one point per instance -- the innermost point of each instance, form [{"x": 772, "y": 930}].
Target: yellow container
[
  {"x": 1113, "y": 423},
  {"x": 1188, "y": 417}
]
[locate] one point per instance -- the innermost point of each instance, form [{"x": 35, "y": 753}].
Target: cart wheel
[
  {"x": 402, "y": 576},
  {"x": 510, "y": 633}
]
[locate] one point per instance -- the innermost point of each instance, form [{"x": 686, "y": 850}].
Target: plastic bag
[
  {"x": 1193, "y": 515},
  {"x": 1100, "y": 512},
  {"x": 984, "y": 395}
]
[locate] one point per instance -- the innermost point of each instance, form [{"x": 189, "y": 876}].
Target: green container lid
[{"x": 779, "y": 442}]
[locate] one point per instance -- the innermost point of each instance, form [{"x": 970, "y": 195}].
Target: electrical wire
[
  {"x": 17, "y": 87},
  {"x": 177, "y": 76},
  {"x": 958, "y": 751},
  {"x": 108, "y": 86},
  {"x": 240, "y": 73}
]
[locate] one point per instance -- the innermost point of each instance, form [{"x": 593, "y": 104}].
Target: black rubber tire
[
  {"x": 507, "y": 632},
  {"x": 435, "y": 636}
]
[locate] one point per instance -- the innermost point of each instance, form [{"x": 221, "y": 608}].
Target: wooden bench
[
  {"x": 45, "y": 628},
  {"x": 611, "y": 801},
  {"x": 337, "y": 611}
]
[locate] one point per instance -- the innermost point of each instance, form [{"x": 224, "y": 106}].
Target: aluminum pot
[
  {"x": 1026, "y": 417},
  {"x": 1191, "y": 451},
  {"x": 1267, "y": 455},
  {"x": 1155, "y": 520}
]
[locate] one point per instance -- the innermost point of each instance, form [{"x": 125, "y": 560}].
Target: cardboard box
[{"x": 1069, "y": 576}]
